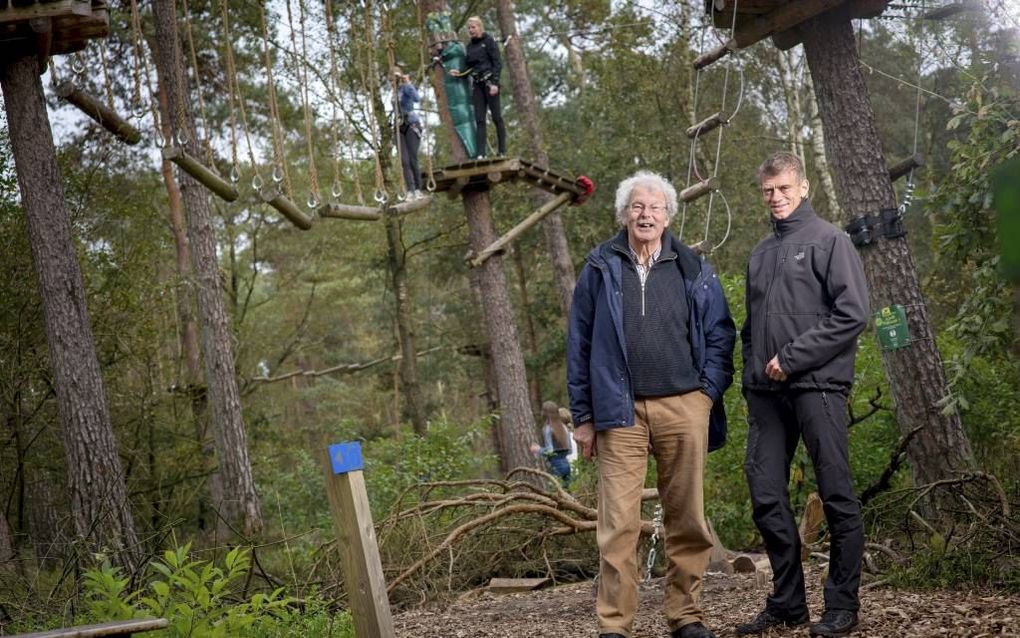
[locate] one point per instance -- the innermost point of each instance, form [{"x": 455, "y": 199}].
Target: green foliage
[
  {"x": 967, "y": 254},
  {"x": 194, "y": 595}
]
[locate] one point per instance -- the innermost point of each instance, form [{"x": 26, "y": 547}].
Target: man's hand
[
  {"x": 493, "y": 89},
  {"x": 584, "y": 434},
  {"x": 773, "y": 371}
]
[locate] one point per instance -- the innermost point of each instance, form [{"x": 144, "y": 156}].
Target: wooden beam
[
  {"x": 866, "y": 8},
  {"x": 904, "y": 166},
  {"x": 115, "y": 628},
  {"x": 101, "y": 113},
  {"x": 783, "y": 17},
  {"x": 458, "y": 185},
  {"x": 787, "y": 38},
  {"x": 513, "y": 585},
  {"x": 700, "y": 189},
  {"x": 413, "y": 205},
  {"x": 710, "y": 123},
  {"x": 356, "y": 542},
  {"x": 951, "y": 9},
  {"x": 350, "y": 211},
  {"x": 516, "y": 231},
  {"x": 224, "y": 189},
  {"x": 715, "y": 54},
  {"x": 15, "y": 13},
  {"x": 286, "y": 208}
]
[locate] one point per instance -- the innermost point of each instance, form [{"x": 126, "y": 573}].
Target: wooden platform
[
  {"x": 483, "y": 174},
  {"x": 51, "y": 27},
  {"x": 759, "y": 19}
]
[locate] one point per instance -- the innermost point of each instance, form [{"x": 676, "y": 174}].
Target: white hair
[{"x": 647, "y": 180}]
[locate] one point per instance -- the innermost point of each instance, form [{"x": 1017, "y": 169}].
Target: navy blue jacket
[{"x": 598, "y": 378}]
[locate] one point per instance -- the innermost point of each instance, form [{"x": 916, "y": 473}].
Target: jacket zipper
[{"x": 780, "y": 262}]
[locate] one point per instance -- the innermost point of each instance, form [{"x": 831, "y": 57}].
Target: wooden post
[
  {"x": 223, "y": 189},
  {"x": 517, "y": 230},
  {"x": 359, "y": 552}
]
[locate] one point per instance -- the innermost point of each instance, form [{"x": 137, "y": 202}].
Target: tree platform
[
  {"x": 52, "y": 27},
  {"x": 483, "y": 174}
]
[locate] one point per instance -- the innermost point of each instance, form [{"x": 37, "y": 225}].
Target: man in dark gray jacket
[{"x": 807, "y": 301}]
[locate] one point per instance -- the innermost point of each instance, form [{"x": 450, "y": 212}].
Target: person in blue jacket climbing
[
  {"x": 410, "y": 130},
  {"x": 649, "y": 356},
  {"x": 485, "y": 66}
]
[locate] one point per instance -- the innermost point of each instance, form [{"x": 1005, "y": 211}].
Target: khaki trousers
[{"x": 676, "y": 429}]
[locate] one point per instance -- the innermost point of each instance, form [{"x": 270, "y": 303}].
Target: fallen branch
[
  {"x": 344, "y": 368},
  {"x": 895, "y": 461}
]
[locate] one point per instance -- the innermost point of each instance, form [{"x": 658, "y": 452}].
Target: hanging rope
[
  {"x": 142, "y": 62},
  {"x": 908, "y": 189},
  {"x": 371, "y": 80},
  {"x": 430, "y": 184},
  {"x": 106, "y": 74},
  {"x": 692, "y": 168},
  {"x": 203, "y": 118},
  {"x": 391, "y": 60},
  {"x": 280, "y": 173},
  {"x": 314, "y": 197},
  {"x": 235, "y": 90}
]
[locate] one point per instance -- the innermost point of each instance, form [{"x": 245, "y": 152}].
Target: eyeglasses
[{"x": 655, "y": 209}]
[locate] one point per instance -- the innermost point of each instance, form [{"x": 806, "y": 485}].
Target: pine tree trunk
[
  {"x": 240, "y": 505},
  {"x": 6, "y": 545},
  {"x": 187, "y": 328},
  {"x": 99, "y": 503},
  {"x": 46, "y": 527},
  {"x": 791, "y": 95},
  {"x": 516, "y": 422},
  {"x": 916, "y": 376},
  {"x": 524, "y": 101}
]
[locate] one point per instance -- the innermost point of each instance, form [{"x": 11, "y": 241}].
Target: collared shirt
[{"x": 642, "y": 270}]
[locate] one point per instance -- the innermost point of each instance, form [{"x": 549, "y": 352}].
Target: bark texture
[
  {"x": 99, "y": 503},
  {"x": 524, "y": 101},
  {"x": 917, "y": 379},
  {"x": 240, "y": 504}
]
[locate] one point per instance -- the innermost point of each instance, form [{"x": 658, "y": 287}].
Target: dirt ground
[{"x": 568, "y": 612}]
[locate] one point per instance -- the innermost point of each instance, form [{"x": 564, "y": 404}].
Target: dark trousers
[
  {"x": 410, "y": 141},
  {"x": 482, "y": 101},
  {"x": 559, "y": 466},
  {"x": 776, "y": 423}
]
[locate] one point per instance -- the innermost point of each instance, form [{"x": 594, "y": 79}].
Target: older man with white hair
[{"x": 649, "y": 355}]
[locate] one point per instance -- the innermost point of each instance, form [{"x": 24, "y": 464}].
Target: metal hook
[
  {"x": 78, "y": 64},
  {"x": 277, "y": 174},
  {"x": 235, "y": 174},
  {"x": 337, "y": 189},
  {"x": 257, "y": 182},
  {"x": 380, "y": 196},
  {"x": 313, "y": 200}
]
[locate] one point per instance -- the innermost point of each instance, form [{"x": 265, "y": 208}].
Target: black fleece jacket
[
  {"x": 807, "y": 301},
  {"x": 483, "y": 59}
]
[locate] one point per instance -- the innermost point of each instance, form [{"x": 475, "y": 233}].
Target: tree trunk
[
  {"x": 517, "y": 423},
  {"x": 524, "y": 101},
  {"x": 916, "y": 377},
  {"x": 6, "y": 545},
  {"x": 534, "y": 391},
  {"x": 99, "y": 503},
  {"x": 791, "y": 95},
  {"x": 240, "y": 505},
  {"x": 45, "y": 524},
  {"x": 187, "y": 327},
  {"x": 409, "y": 381},
  {"x": 821, "y": 162}
]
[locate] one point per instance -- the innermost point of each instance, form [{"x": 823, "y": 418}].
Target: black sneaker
[
  {"x": 835, "y": 622},
  {"x": 610, "y": 635},
  {"x": 767, "y": 620},
  {"x": 692, "y": 630}
]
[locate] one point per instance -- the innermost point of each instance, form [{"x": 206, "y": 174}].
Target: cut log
[
  {"x": 700, "y": 189},
  {"x": 511, "y": 585},
  {"x": 286, "y": 208},
  {"x": 810, "y": 523}
]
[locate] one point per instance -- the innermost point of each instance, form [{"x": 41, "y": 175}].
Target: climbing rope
[
  {"x": 234, "y": 90},
  {"x": 203, "y": 118},
  {"x": 430, "y": 184},
  {"x": 391, "y": 60},
  {"x": 314, "y": 196},
  {"x": 280, "y": 174}
]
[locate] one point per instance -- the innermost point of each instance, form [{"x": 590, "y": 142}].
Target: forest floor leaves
[{"x": 568, "y": 611}]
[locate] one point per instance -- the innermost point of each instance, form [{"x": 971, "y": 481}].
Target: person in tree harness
[
  {"x": 484, "y": 66},
  {"x": 410, "y": 130}
]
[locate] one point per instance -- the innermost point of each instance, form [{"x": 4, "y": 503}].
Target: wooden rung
[
  {"x": 224, "y": 189},
  {"x": 516, "y": 231},
  {"x": 700, "y": 189},
  {"x": 412, "y": 205},
  {"x": 350, "y": 211},
  {"x": 287, "y": 208},
  {"x": 710, "y": 123},
  {"x": 949, "y": 10},
  {"x": 102, "y": 114},
  {"x": 901, "y": 168},
  {"x": 715, "y": 54}
]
